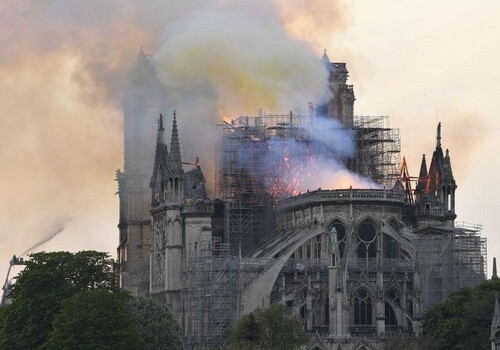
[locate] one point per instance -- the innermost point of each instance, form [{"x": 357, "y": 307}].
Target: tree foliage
[
  {"x": 72, "y": 301},
  {"x": 47, "y": 280},
  {"x": 155, "y": 324},
  {"x": 463, "y": 321},
  {"x": 273, "y": 328},
  {"x": 91, "y": 320}
]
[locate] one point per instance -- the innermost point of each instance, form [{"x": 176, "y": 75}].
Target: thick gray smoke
[{"x": 63, "y": 68}]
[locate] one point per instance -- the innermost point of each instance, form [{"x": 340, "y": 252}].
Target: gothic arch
[
  {"x": 363, "y": 304},
  {"x": 257, "y": 293},
  {"x": 367, "y": 217},
  {"x": 367, "y": 234},
  {"x": 342, "y": 233}
]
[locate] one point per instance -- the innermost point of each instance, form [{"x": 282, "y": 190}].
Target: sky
[{"x": 63, "y": 66}]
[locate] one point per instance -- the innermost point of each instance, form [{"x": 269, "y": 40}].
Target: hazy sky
[{"x": 62, "y": 65}]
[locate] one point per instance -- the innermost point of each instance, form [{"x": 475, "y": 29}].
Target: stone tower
[
  {"x": 341, "y": 104},
  {"x": 181, "y": 219},
  {"x": 142, "y": 102}
]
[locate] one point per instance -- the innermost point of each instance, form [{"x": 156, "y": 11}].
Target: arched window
[
  {"x": 176, "y": 188},
  {"x": 391, "y": 250},
  {"x": 390, "y": 315},
  {"x": 362, "y": 308},
  {"x": 367, "y": 240}
]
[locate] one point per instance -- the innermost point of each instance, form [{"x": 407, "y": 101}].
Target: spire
[
  {"x": 423, "y": 169},
  {"x": 175, "y": 150},
  {"x": 438, "y": 138},
  {"x": 160, "y": 138},
  {"x": 161, "y": 156},
  {"x": 494, "y": 276},
  {"x": 325, "y": 58},
  {"x": 141, "y": 57}
]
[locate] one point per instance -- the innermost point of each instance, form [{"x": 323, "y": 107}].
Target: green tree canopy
[
  {"x": 463, "y": 321},
  {"x": 93, "y": 320},
  {"x": 72, "y": 301},
  {"x": 273, "y": 328},
  {"x": 155, "y": 324},
  {"x": 47, "y": 280}
]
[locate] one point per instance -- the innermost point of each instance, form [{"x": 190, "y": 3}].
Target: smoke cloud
[
  {"x": 51, "y": 234},
  {"x": 316, "y": 160},
  {"x": 63, "y": 69}
]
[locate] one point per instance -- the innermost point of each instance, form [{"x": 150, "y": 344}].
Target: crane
[{"x": 14, "y": 261}]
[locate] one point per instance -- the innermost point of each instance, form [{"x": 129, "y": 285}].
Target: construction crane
[
  {"x": 406, "y": 179},
  {"x": 14, "y": 261},
  {"x": 196, "y": 163}
]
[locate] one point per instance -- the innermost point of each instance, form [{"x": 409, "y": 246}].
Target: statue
[{"x": 334, "y": 247}]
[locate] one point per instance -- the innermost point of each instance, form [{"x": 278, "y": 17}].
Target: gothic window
[
  {"x": 362, "y": 308},
  {"x": 390, "y": 315},
  {"x": 390, "y": 247},
  {"x": 367, "y": 240}
]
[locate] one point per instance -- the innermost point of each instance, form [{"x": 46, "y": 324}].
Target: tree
[
  {"x": 463, "y": 321},
  {"x": 47, "y": 280},
  {"x": 155, "y": 324},
  {"x": 273, "y": 328},
  {"x": 91, "y": 320}
]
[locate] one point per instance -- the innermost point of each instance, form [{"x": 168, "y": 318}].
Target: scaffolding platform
[{"x": 211, "y": 296}]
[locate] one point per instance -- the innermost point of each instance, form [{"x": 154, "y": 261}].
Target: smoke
[
  {"x": 63, "y": 69},
  {"x": 314, "y": 160},
  {"x": 221, "y": 64},
  {"x": 242, "y": 62},
  {"x": 48, "y": 236}
]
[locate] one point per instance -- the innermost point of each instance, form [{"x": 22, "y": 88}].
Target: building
[
  {"x": 358, "y": 265},
  {"x": 142, "y": 103}
]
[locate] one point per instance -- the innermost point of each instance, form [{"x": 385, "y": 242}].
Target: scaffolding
[
  {"x": 448, "y": 259},
  {"x": 251, "y": 181},
  {"x": 378, "y": 154},
  {"x": 470, "y": 254},
  {"x": 211, "y": 296},
  {"x": 246, "y": 180}
]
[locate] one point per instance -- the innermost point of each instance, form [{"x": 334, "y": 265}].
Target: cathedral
[{"x": 357, "y": 265}]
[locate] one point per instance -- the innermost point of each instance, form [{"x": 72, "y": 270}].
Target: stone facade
[
  {"x": 141, "y": 104},
  {"x": 358, "y": 266},
  {"x": 181, "y": 217}
]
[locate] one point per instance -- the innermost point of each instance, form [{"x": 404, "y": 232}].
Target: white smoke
[
  {"x": 317, "y": 159},
  {"x": 47, "y": 236}
]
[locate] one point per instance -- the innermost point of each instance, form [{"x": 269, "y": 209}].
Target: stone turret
[
  {"x": 341, "y": 104},
  {"x": 436, "y": 189}
]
